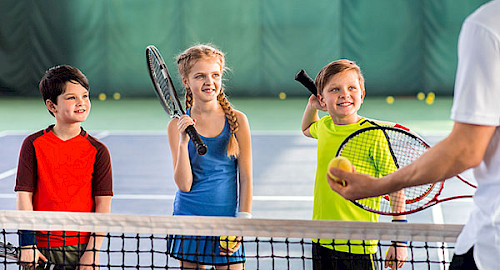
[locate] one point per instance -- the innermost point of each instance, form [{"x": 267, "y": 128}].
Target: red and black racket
[
  {"x": 380, "y": 150},
  {"x": 168, "y": 96}
]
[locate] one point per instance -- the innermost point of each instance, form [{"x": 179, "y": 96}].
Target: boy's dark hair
[
  {"x": 54, "y": 81},
  {"x": 336, "y": 67}
]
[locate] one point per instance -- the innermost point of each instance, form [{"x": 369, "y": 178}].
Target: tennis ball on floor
[
  {"x": 420, "y": 96},
  {"x": 102, "y": 97},
  {"x": 341, "y": 163},
  {"x": 228, "y": 241},
  {"x": 282, "y": 95},
  {"x": 117, "y": 96},
  {"x": 390, "y": 99}
]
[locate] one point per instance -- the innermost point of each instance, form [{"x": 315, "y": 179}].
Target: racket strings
[
  {"x": 162, "y": 83},
  {"x": 379, "y": 151}
]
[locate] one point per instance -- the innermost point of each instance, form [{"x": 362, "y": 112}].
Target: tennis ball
[
  {"x": 430, "y": 98},
  {"x": 117, "y": 96},
  {"x": 420, "y": 96},
  {"x": 226, "y": 241},
  {"x": 102, "y": 97},
  {"x": 282, "y": 95},
  {"x": 390, "y": 99},
  {"x": 341, "y": 163}
]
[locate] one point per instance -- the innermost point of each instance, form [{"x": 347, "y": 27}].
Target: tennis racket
[
  {"x": 167, "y": 95},
  {"x": 306, "y": 81},
  {"x": 9, "y": 251},
  {"x": 380, "y": 150}
]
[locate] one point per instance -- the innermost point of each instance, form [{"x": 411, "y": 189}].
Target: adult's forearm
[{"x": 463, "y": 149}]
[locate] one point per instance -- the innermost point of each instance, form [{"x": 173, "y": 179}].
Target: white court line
[
  {"x": 13, "y": 132},
  {"x": 102, "y": 134},
  {"x": 8, "y": 173},
  {"x": 423, "y": 133},
  {"x": 142, "y": 197},
  {"x": 171, "y": 197}
]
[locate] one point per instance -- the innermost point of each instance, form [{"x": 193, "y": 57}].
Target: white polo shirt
[{"x": 477, "y": 101}]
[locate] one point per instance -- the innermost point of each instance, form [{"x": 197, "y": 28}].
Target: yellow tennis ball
[
  {"x": 117, "y": 96},
  {"x": 341, "y": 163},
  {"x": 226, "y": 241},
  {"x": 420, "y": 96},
  {"x": 390, "y": 99},
  {"x": 430, "y": 98},
  {"x": 431, "y": 95},
  {"x": 102, "y": 97},
  {"x": 282, "y": 95}
]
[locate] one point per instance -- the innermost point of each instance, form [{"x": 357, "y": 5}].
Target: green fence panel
[{"x": 402, "y": 46}]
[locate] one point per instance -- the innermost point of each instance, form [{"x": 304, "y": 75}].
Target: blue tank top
[{"x": 214, "y": 189}]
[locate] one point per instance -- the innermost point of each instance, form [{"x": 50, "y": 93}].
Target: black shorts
[
  {"x": 326, "y": 259},
  {"x": 464, "y": 261}
]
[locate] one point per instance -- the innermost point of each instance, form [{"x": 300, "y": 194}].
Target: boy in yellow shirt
[{"x": 341, "y": 92}]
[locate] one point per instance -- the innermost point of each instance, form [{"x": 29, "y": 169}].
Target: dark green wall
[{"x": 402, "y": 46}]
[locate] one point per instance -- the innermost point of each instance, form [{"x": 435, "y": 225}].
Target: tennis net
[{"x": 145, "y": 241}]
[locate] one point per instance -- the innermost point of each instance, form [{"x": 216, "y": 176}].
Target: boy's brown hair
[
  {"x": 336, "y": 67},
  {"x": 54, "y": 81}
]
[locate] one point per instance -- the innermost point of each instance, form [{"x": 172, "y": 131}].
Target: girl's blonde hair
[{"x": 185, "y": 61}]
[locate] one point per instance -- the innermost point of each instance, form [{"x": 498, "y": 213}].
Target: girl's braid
[{"x": 233, "y": 148}]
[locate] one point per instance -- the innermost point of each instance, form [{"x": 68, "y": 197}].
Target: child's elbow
[
  {"x": 184, "y": 188},
  {"x": 183, "y": 185}
]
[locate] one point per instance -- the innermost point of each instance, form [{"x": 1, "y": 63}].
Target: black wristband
[
  {"x": 27, "y": 238},
  {"x": 400, "y": 220}
]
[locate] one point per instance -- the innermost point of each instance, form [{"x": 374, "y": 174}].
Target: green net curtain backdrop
[{"x": 402, "y": 46}]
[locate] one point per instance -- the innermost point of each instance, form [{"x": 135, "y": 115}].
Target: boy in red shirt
[{"x": 63, "y": 168}]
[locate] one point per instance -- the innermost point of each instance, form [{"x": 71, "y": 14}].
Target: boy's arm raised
[{"x": 310, "y": 115}]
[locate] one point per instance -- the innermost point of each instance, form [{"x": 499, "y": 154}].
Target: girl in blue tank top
[{"x": 218, "y": 183}]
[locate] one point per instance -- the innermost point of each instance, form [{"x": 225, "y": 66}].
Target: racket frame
[
  {"x": 7, "y": 250},
  {"x": 439, "y": 185},
  {"x": 169, "y": 95},
  {"x": 10, "y": 252}
]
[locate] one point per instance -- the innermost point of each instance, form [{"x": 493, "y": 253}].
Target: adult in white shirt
[{"x": 474, "y": 142}]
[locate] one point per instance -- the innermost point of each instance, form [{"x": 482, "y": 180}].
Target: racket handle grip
[
  {"x": 201, "y": 147},
  {"x": 306, "y": 81}
]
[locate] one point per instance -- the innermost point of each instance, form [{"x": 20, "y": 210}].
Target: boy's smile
[
  {"x": 73, "y": 105},
  {"x": 343, "y": 96}
]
